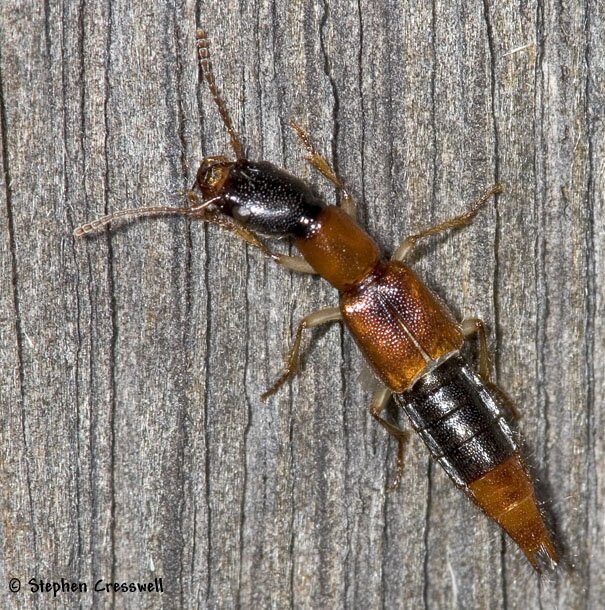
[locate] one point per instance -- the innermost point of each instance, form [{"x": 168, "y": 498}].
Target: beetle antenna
[
  {"x": 203, "y": 51},
  {"x": 94, "y": 225}
]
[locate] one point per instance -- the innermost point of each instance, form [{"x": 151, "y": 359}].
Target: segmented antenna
[
  {"x": 197, "y": 210},
  {"x": 203, "y": 50}
]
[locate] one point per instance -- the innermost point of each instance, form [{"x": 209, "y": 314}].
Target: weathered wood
[{"x": 133, "y": 440}]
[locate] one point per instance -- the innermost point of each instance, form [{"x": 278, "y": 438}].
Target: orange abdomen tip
[{"x": 506, "y": 494}]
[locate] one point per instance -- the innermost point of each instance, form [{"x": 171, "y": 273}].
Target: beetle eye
[{"x": 212, "y": 174}]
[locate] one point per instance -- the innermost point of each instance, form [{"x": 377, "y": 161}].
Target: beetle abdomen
[{"x": 460, "y": 421}]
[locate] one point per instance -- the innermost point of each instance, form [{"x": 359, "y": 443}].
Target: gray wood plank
[{"x": 134, "y": 443}]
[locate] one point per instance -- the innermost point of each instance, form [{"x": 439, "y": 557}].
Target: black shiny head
[{"x": 259, "y": 196}]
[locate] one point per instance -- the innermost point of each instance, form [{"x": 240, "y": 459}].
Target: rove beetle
[{"x": 411, "y": 341}]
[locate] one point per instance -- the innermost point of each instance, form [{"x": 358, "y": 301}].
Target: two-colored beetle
[{"x": 405, "y": 333}]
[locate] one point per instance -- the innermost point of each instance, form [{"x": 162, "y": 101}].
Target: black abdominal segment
[{"x": 459, "y": 420}]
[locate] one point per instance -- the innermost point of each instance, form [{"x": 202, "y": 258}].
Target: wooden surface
[{"x": 133, "y": 441}]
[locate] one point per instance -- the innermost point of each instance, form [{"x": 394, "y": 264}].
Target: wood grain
[{"x": 133, "y": 441}]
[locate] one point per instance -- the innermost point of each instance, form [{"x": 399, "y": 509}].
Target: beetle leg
[
  {"x": 319, "y": 162},
  {"x": 407, "y": 245},
  {"x": 317, "y": 318},
  {"x": 475, "y": 327},
  {"x": 380, "y": 399},
  {"x": 294, "y": 263}
]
